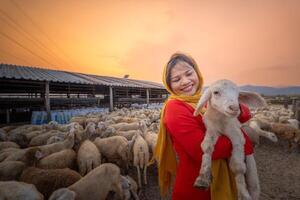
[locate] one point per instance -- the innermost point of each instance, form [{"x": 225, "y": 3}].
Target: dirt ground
[{"x": 278, "y": 169}]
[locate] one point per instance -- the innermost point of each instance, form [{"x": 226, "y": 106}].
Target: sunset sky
[{"x": 248, "y": 41}]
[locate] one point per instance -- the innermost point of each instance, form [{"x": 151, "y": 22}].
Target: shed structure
[{"x": 25, "y": 89}]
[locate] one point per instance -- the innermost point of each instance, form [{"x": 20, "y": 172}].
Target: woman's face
[{"x": 183, "y": 79}]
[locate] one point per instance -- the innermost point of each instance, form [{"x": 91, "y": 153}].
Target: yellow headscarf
[{"x": 166, "y": 158}]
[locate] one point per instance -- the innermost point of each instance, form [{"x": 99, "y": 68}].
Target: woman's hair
[{"x": 176, "y": 58}]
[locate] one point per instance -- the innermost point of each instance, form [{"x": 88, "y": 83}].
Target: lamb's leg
[
  {"x": 139, "y": 176},
  {"x": 204, "y": 179},
  {"x": 252, "y": 177},
  {"x": 237, "y": 164},
  {"x": 145, "y": 174},
  {"x": 271, "y": 136}
]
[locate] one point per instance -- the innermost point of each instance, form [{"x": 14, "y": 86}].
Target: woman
[{"x": 183, "y": 133}]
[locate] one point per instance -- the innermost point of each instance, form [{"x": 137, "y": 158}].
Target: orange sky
[{"x": 250, "y": 42}]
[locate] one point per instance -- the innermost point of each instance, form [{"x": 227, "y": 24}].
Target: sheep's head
[
  {"x": 63, "y": 194},
  {"x": 142, "y": 126},
  {"x": 91, "y": 128},
  {"x": 225, "y": 96}
]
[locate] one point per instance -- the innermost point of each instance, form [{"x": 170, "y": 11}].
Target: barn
[{"x": 28, "y": 89}]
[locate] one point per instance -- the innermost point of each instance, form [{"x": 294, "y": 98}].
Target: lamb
[
  {"x": 88, "y": 157},
  {"x": 49, "y": 180},
  {"x": 13, "y": 190},
  {"x": 94, "y": 186},
  {"x": 59, "y": 160},
  {"x": 140, "y": 157},
  {"x": 222, "y": 99}
]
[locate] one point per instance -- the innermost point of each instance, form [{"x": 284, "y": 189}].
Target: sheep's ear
[
  {"x": 252, "y": 99},
  {"x": 39, "y": 154},
  {"x": 202, "y": 101}
]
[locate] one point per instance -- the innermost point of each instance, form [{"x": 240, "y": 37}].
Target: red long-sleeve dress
[{"x": 187, "y": 133}]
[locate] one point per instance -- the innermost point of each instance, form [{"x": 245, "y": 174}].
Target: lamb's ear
[
  {"x": 252, "y": 99},
  {"x": 202, "y": 101}
]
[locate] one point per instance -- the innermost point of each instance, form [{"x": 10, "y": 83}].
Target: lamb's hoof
[
  {"x": 203, "y": 181},
  {"x": 244, "y": 197}
]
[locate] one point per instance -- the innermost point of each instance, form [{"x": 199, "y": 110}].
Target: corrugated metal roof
[{"x": 40, "y": 74}]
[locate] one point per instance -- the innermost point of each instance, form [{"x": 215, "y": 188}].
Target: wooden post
[
  {"x": 47, "y": 100},
  {"x": 297, "y": 111},
  {"x": 111, "y": 100},
  {"x": 68, "y": 93},
  {"x": 7, "y": 116},
  {"x": 148, "y": 97}
]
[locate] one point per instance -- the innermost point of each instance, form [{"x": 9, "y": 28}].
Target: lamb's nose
[{"x": 234, "y": 108}]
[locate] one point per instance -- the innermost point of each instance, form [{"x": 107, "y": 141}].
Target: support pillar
[
  {"x": 111, "y": 100},
  {"x": 47, "y": 100}
]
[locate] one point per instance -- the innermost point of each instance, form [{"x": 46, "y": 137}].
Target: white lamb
[{"x": 222, "y": 99}]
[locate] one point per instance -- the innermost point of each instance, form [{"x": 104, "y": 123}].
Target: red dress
[{"x": 187, "y": 133}]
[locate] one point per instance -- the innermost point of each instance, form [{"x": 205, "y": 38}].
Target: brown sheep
[{"x": 49, "y": 180}]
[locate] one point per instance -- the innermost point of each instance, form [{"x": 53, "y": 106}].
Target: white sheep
[
  {"x": 115, "y": 148},
  {"x": 88, "y": 157},
  {"x": 140, "y": 157},
  {"x": 14, "y": 190},
  {"x": 68, "y": 143},
  {"x": 63, "y": 159},
  {"x": 94, "y": 186},
  {"x": 222, "y": 98}
]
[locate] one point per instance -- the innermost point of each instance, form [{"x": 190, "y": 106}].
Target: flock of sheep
[
  {"x": 85, "y": 159},
  {"x": 89, "y": 157}
]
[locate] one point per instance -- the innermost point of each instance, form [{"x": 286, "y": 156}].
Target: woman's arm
[{"x": 189, "y": 134}]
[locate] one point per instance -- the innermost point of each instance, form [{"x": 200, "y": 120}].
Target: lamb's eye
[{"x": 216, "y": 93}]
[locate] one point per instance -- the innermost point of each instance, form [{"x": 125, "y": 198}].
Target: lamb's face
[{"x": 224, "y": 98}]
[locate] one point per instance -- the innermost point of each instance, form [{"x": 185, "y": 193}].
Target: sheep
[
  {"x": 11, "y": 170},
  {"x": 287, "y": 132},
  {"x": 49, "y": 180},
  {"x": 19, "y": 139},
  {"x": 115, "y": 147},
  {"x": 88, "y": 157},
  {"x": 59, "y": 160},
  {"x": 28, "y": 156},
  {"x": 293, "y": 122},
  {"x": 68, "y": 143},
  {"x": 94, "y": 186},
  {"x": 79, "y": 119},
  {"x": 13, "y": 190},
  {"x": 129, "y": 126},
  {"x": 151, "y": 139},
  {"x": 5, "y": 145},
  {"x": 3, "y": 136},
  {"x": 42, "y": 139},
  {"x": 222, "y": 98},
  {"x": 127, "y": 134},
  {"x": 140, "y": 157}
]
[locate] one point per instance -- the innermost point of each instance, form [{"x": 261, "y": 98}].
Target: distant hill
[{"x": 270, "y": 91}]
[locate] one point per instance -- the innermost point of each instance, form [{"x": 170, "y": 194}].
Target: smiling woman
[{"x": 178, "y": 150}]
